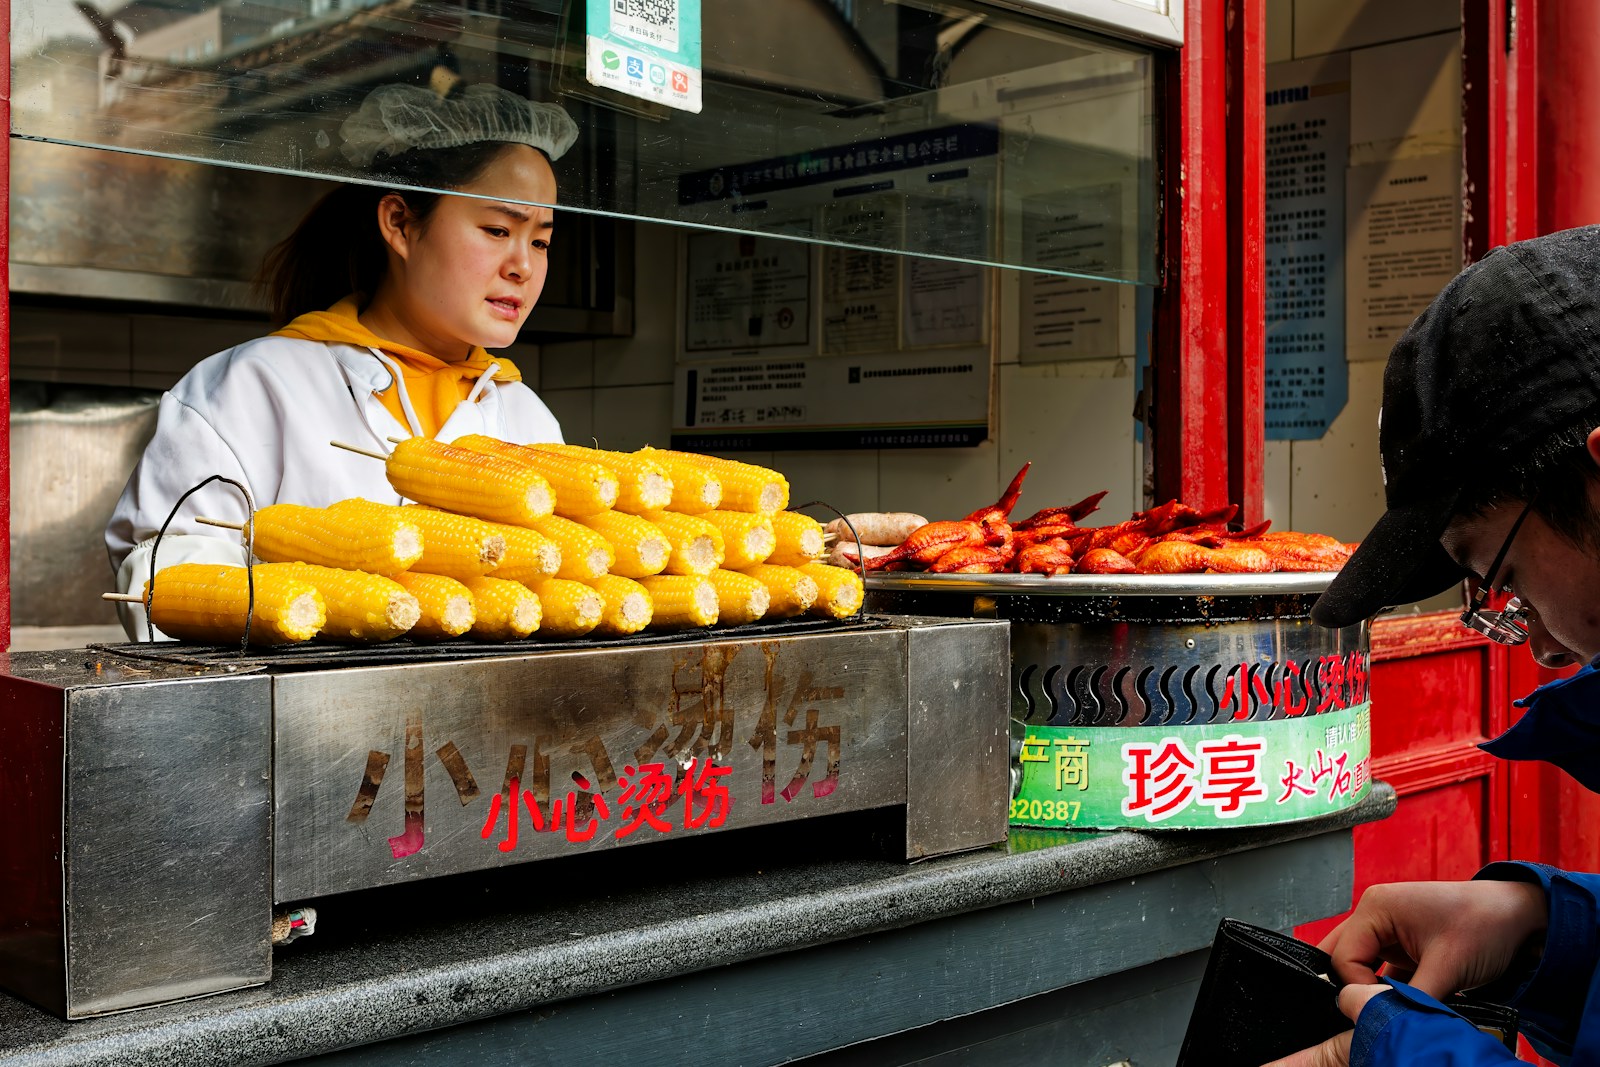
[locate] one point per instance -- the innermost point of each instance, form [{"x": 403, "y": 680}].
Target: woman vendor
[{"x": 390, "y": 294}]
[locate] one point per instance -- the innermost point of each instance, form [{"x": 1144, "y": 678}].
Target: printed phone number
[{"x": 1047, "y": 810}]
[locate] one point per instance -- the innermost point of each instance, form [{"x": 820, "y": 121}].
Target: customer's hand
[
  {"x": 1441, "y": 937},
  {"x": 1335, "y": 1052}
]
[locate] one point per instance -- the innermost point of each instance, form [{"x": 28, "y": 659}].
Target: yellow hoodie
[{"x": 434, "y": 385}]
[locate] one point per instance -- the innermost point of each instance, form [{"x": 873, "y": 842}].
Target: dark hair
[
  {"x": 1556, "y": 476},
  {"x": 337, "y": 250}
]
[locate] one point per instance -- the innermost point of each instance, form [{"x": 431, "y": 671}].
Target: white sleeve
[{"x": 185, "y": 451}]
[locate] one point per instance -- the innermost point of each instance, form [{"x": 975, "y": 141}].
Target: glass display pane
[{"x": 937, "y": 129}]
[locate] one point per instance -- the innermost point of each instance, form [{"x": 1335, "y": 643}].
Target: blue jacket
[{"x": 1559, "y": 998}]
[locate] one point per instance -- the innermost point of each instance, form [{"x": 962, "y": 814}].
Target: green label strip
[{"x": 1194, "y": 777}]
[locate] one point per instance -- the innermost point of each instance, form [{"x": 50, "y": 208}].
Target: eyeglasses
[{"x": 1509, "y": 626}]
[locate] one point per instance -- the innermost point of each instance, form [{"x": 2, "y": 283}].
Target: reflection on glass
[{"x": 931, "y": 128}]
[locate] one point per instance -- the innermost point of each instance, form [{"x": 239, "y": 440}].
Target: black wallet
[{"x": 1266, "y": 995}]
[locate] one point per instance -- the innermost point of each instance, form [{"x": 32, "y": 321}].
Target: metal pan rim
[{"x": 1104, "y": 585}]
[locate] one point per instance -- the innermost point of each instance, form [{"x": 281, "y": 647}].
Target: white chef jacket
[{"x": 262, "y": 413}]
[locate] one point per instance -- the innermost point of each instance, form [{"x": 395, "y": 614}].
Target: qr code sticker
[{"x": 654, "y": 22}]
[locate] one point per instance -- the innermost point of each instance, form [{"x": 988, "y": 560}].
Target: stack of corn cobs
[
  {"x": 1171, "y": 539},
  {"x": 506, "y": 541}
]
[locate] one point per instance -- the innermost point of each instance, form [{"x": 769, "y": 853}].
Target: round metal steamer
[{"x": 1191, "y": 658}]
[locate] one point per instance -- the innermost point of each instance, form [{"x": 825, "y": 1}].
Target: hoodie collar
[
  {"x": 1560, "y": 726},
  {"x": 340, "y": 325}
]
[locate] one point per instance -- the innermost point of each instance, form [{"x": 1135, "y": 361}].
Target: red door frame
[
  {"x": 1207, "y": 419},
  {"x": 5, "y": 333}
]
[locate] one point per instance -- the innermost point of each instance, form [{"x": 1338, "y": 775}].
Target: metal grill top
[{"x": 318, "y": 655}]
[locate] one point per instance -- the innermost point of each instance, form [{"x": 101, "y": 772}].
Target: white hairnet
[{"x": 394, "y": 118}]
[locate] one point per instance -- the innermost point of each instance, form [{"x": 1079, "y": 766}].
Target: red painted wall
[{"x": 5, "y": 333}]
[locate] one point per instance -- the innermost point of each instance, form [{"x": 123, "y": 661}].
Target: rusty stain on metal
[
  {"x": 516, "y": 760},
  {"x": 414, "y": 777},
  {"x": 716, "y": 716},
  {"x": 600, "y": 759},
  {"x": 371, "y": 779},
  {"x": 455, "y": 765},
  {"x": 651, "y": 746},
  {"x": 765, "y": 739}
]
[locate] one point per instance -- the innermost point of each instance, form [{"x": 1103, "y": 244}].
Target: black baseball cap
[{"x": 1506, "y": 357}]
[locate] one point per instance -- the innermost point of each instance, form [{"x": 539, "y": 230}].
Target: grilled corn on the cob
[
  {"x": 747, "y": 537},
  {"x": 793, "y": 592},
  {"x": 640, "y": 548},
  {"x": 799, "y": 539},
  {"x": 294, "y": 533},
  {"x": 530, "y": 555},
  {"x": 506, "y": 611},
  {"x": 469, "y": 483},
  {"x": 627, "y": 605},
  {"x": 839, "y": 590},
  {"x": 643, "y": 485},
  {"x": 571, "y": 609},
  {"x": 695, "y": 487},
  {"x": 740, "y": 598},
  {"x": 584, "y": 553},
  {"x": 447, "y": 608},
  {"x": 456, "y": 546},
  {"x": 745, "y": 486},
  {"x": 582, "y": 486},
  {"x": 206, "y": 602},
  {"x": 697, "y": 545},
  {"x": 681, "y": 600},
  {"x": 361, "y": 607}
]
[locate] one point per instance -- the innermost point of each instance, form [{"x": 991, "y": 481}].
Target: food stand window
[{"x": 1042, "y": 117}]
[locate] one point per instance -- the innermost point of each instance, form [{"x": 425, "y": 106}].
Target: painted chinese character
[
  {"x": 1072, "y": 764},
  {"x": 1342, "y": 779},
  {"x": 1159, "y": 782},
  {"x": 1322, "y": 767},
  {"x": 646, "y": 793},
  {"x": 1034, "y": 750},
  {"x": 765, "y": 739},
  {"x": 808, "y": 738},
  {"x": 411, "y": 839},
  {"x": 701, "y": 715},
  {"x": 1291, "y": 782},
  {"x": 1360, "y": 776},
  {"x": 510, "y": 790},
  {"x": 1231, "y": 776},
  {"x": 1244, "y": 691},
  {"x": 1330, "y": 684},
  {"x": 1356, "y": 674},
  {"x": 1286, "y": 689},
  {"x": 513, "y": 792},
  {"x": 566, "y": 813},
  {"x": 702, "y": 786}
]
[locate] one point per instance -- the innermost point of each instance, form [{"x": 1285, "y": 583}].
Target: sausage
[{"x": 877, "y": 527}]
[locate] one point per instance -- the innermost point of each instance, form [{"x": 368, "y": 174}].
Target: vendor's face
[
  {"x": 473, "y": 271},
  {"x": 1556, "y": 578}
]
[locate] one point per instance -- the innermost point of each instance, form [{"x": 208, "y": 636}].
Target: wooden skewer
[
  {"x": 220, "y": 522},
  {"x": 398, "y": 440},
  {"x": 123, "y": 598},
  {"x": 359, "y": 451}
]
